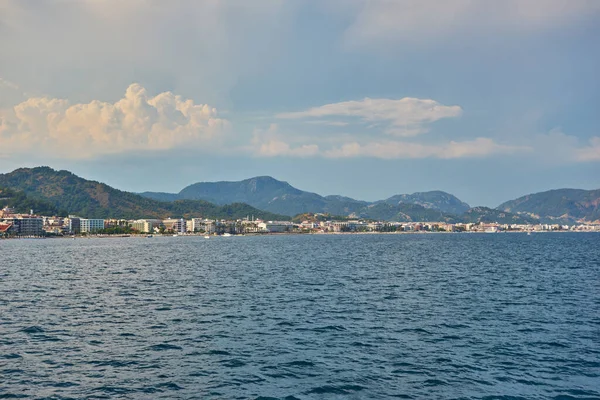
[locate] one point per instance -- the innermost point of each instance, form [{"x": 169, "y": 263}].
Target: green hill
[
  {"x": 91, "y": 199},
  {"x": 267, "y": 193},
  {"x": 561, "y": 205},
  {"x": 23, "y": 204},
  {"x": 48, "y": 191},
  {"x": 405, "y": 212},
  {"x": 485, "y": 214},
  {"x": 436, "y": 200}
]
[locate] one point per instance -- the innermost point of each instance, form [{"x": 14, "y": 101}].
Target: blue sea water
[{"x": 470, "y": 316}]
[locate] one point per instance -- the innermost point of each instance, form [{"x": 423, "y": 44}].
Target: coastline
[{"x": 200, "y": 235}]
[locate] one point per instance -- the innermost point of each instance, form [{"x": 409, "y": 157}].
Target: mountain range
[
  {"x": 268, "y": 198},
  {"x": 267, "y": 193},
  {"x": 562, "y": 205},
  {"x": 63, "y": 190}
]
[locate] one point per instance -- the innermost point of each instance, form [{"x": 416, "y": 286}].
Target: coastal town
[{"x": 13, "y": 224}]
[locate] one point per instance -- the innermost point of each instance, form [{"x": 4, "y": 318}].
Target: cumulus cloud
[
  {"x": 591, "y": 152},
  {"x": 479, "y": 147},
  {"x": 137, "y": 122},
  {"x": 417, "y": 21},
  {"x": 557, "y": 147},
  {"x": 404, "y": 117},
  {"x": 277, "y": 148},
  {"x": 270, "y": 143}
]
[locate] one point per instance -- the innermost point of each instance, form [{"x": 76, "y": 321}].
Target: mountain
[
  {"x": 23, "y": 204},
  {"x": 485, "y": 214},
  {"x": 267, "y": 193},
  {"x": 405, "y": 212},
  {"x": 91, "y": 199},
  {"x": 558, "y": 206},
  {"x": 160, "y": 196},
  {"x": 49, "y": 192},
  {"x": 436, "y": 200}
]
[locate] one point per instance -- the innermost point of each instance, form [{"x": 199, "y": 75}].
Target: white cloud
[
  {"x": 479, "y": 147},
  {"x": 591, "y": 152},
  {"x": 137, "y": 122},
  {"x": 278, "y": 148},
  {"x": 423, "y": 20},
  {"x": 557, "y": 147},
  {"x": 329, "y": 123},
  {"x": 269, "y": 143},
  {"x": 405, "y": 117}
]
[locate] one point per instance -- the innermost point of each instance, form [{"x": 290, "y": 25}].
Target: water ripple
[{"x": 504, "y": 316}]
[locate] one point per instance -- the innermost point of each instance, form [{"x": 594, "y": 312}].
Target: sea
[{"x": 355, "y": 316}]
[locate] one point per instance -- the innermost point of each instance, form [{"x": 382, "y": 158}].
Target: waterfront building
[
  {"x": 175, "y": 225},
  {"x": 344, "y": 226},
  {"x": 74, "y": 224},
  {"x": 91, "y": 225},
  {"x": 146, "y": 225},
  {"x": 6, "y": 212},
  {"x": 5, "y": 229},
  {"x": 210, "y": 227},
  {"x": 25, "y": 225},
  {"x": 375, "y": 226},
  {"x": 195, "y": 225},
  {"x": 275, "y": 226},
  {"x": 54, "y": 225},
  {"x": 110, "y": 223}
]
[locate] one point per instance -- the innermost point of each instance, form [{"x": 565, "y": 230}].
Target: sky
[{"x": 486, "y": 100}]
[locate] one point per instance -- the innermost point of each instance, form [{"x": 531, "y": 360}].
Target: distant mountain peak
[
  {"x": 435, "y": 199},
  {"x": 265, "y": 178},
  {"x": 558, "y": 205}
]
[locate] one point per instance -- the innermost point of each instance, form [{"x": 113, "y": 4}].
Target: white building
[
  {"x": 275, "y": 226},
  {"x": 210, "y": 227},
  {"x": 91, "y": 225},
  {"x": 195, "y": 225},
  {"x": 146, "y": 225},
  {"x": 176, "y": 225}
]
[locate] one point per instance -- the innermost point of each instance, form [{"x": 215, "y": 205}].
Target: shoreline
[{"x": 145, "y": 236}]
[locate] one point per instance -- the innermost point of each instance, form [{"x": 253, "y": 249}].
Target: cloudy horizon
[{"x": 366, "y": 99}]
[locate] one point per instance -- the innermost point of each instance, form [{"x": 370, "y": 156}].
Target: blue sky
[{"x": 486, "y": 100}]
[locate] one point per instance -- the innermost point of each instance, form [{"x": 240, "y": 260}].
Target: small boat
[
  {"x": 528, "y": 233},
  {"x": 149, "y": 236},
  {"x": 227, "y": 234},
  {"x": 206, "y": 237}
]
